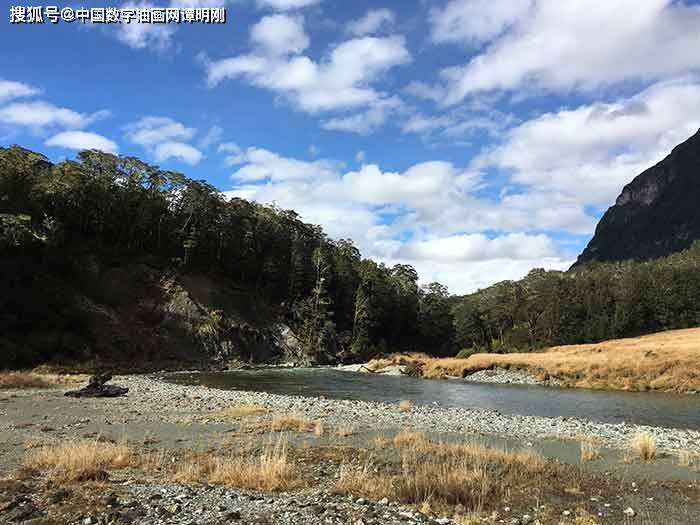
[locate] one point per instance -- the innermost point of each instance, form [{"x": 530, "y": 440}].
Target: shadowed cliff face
[{"x": 657, "y": 214}]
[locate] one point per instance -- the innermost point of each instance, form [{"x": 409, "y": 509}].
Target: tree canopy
[{"x": 337, "y": 303}]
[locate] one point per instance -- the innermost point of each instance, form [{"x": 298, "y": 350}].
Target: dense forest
[
  {"x": 57, "y": 221},
  {"x": 99, "y": 254},
  {"x": 589, "y": 303}
]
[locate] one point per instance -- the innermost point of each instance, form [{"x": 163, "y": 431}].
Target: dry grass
[
  {"x": 80, "y": 460},
  {"x": 319, "y": 428},
  {"x": 405, "y": 406},
  {"x": 344, "y": 431},
  {"x": 443, "y": 473},
  {"x": 33, "y": 379},
  {"x": 663, "y": 361},
  {"x": 689, "y": 459},
  {"x": 409, "y": 438},
  {"x": 239, "y": 411},
  {"x": 292, "y": 424},
  {"x": 381, "y": 442},
  {"x": 644, "y": 444},
  {"x": 590, "y": 451},
  {"x": 271, "y": 470},
  {"x": 583, "y": 517},
  {"x": 473, "y": 518}
]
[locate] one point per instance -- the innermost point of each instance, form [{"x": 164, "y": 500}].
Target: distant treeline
[
  {"x": 591, "y": 303},
  {"x": 121, "y": 208}
]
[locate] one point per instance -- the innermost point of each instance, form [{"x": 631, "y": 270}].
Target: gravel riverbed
[{"x": 148, "y": 394}]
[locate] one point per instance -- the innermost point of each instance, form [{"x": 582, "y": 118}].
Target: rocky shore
[
  {"x": 497, "y": 375},
  {"x": 174, "y": 419},
  {"x": 147, "y": 394}
]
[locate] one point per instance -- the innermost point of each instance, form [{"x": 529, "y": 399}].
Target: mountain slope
[{"x": 656, "y": 214}]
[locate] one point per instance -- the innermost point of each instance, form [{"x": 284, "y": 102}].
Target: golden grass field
[
  {"x": 666, "y": 361},
  {"x": 14, "y": 379}
]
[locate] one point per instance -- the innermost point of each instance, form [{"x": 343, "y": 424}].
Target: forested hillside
[
  {"x": 107, "y": 257},
  {"x": 590, "y": 303}
]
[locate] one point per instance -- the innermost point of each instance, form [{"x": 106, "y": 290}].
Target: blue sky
[{"x": 473, "y": 139}]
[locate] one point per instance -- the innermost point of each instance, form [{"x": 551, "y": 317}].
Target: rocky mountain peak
[{"x": 656, "y": 214}]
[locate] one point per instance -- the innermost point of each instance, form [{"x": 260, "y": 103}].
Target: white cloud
[
  {"x": 371, "y": 22},
  {"x": 433, "y": 203},
  {"x": 286, "y": 5},
  {"x": 149, "y": 131},
  {"x": 341, "y": 80},
  {"x": 587, "y": 154},
  {"x": 141, "y": 36},
  {"x": 365, "y": 122},
  {"x": 478, "y": 247},
  {"x": 212, "y": 137},
  {"x": 280, "y": 35},
  {"x": 475, "y": 21},
  {"x": 10, "y": 90},
  {"x": 177, "y": 150},
  {"x": 40, "y": 114},
  {"x": 165, "y": 139},
  {"x": 81, "y": 140},
  {"x": 261, "y": 164},
  {"x": 565, "y": 45},
  {"x": 467, "y": 277}
]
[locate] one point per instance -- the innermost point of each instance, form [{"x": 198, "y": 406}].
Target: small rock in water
[{"x": 629, "y": 512}]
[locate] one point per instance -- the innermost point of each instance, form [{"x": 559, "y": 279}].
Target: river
[{"x": 655, "y": 409}]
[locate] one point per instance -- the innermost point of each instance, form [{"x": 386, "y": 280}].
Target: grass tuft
[
  {"x": 644, "y": 444},
  {"x": 589, "y": 451},
  {"x": 292, "y": 423},
  {"x": 271, "y": 470},
  {"x": 442, "y": 473},
  {"x": 79, "y": 460},
  {"x": 689, "y": 459}
]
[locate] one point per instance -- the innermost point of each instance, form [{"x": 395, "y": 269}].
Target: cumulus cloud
[
  {"x": 177, "y": 150},
  {"x": 478, "y": 247},
  {"x": 373, "y": 21},
  {"x": 10, "y": 90},
  {"x": 587, "y": 154},
  {"x": 82, "y": 140},
  {"x": 367, "y": 121},
  {"x": 287, "y": 5},
  {"x": 142, "y": 36},
  {"x": 165, "y": 139},
  {"x": 564, "y": 45},
  {"x": 149, "y": 131},
  {"x": 40, "y": 114},
  {"x": 280, "y": 35},
  {"x": 475, "y": 21},
  {"x": 341, "y": 80},
  {"x": 432, "y": 203}
]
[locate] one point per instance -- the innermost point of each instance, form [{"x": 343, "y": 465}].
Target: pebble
[{"x": 148, "y": 392}]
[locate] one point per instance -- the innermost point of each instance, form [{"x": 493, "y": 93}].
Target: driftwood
[{"x": 96, "y": 387}]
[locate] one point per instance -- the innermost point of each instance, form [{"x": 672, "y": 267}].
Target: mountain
[
  {"x": 656, "y": 214},
  {"x": 109, "y": 261}
]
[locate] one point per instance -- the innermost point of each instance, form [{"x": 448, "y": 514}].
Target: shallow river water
[{"x": 656, "y": 409}]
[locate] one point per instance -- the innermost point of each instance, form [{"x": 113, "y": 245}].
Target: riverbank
[
  {"x": 323, "y": 439},
  {"x": 662, "y": 362}
]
